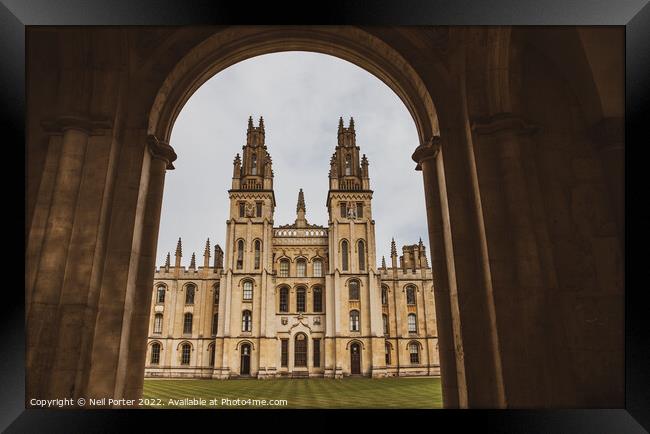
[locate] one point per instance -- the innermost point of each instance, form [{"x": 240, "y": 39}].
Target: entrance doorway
[
  {"x": 355, "y": 359},
  {"x": 245, "y": 366}
]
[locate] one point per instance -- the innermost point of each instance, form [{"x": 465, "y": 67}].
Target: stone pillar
[{"x": 162, "y": 156}]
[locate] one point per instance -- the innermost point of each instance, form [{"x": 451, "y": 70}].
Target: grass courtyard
[{"x": 299, "y": 393}]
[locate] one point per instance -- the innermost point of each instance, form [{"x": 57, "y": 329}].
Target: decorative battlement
[{"x": 294, "y": 232}]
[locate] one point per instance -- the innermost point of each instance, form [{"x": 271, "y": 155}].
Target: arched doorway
[
  {"x": 355, "y": 359},
  {"x": 245, "y": 360},
  {"x": 300, "y": 351}
]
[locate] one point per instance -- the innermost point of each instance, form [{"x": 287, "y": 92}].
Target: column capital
[
  {"x": 93, "y": 126},
  {"x": 504, "y": 122},
  {"x": 608, "y": 133},
  {"x": 161, "y": 150},
  {"x": 426, "y": 151}
]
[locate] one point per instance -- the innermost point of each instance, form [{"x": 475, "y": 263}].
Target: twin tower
[{"x": 297, "y": 300}]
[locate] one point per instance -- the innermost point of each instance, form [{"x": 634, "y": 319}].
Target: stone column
[{"x": 162, "y": 157}]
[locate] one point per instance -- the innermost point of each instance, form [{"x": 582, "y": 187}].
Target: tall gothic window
[
  {"x": 216, "y": 294},
  {"x": 160, "y": 294},
  {"x": 348, "y": 165},
  {"x": 344, "y": 255},
  {"x": 215, "y": 324},
  {"x": 189, "y": 294},
  {"x": 412, "y": 323},
  {"x": 360, "y": 210},
  {"x": 318, "y": 268},
  {"x": 384, "y": 318},
  {"x": 301, "y": 268},
  {"x": 185, "y": 354},
  {"x": 344, "y": 210},
  {"x": 414, "y": 351},
  {"x": 384, "y": 296},
  {"x": 254, "y": 165},
  {"x": 187, "y": 323},
  {"x": 157, "y": 323},
  {"x": 300, "y": 350},
  {"x": 246, "y": 321},
  {"x": 410, "y": 295},
  {"x": 284, "y": 299},
  {"x": 258, "y": 209},
  {"x": 362, "y": 255},
  {"x": 155, "y": 353},
  {"x": 318, "y": 299},
  {"x": 284, "y": 352},
  {"x": 316, "y": 354},
  {"x": 354, "y": 320},
  {"x": 300, "y": 299},
  {"x": 387, "y": 345},
  {"x": 248, "y": 290},
  {"x": 242, "y": 209},
  {"x": 240, "y": 254},
  {"x": 212, "y": 351},
  {"x": 353, "y": 289},
  {"x": 258, "y": 252},
  {"x": 284, "y": 268}
]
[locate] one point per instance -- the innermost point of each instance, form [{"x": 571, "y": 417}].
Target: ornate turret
[
  {"x": 253, "y": 171},
  {"x": 347, "y": 172}
]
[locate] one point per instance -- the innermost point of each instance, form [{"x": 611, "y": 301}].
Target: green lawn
[{"x": 299, "y": 393}]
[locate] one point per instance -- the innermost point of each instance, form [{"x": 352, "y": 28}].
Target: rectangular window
[
  {"x": 316, "y": 353},
  {"x": 318, "y": 268},
  {"x": 284, "y": 268},
  {"x": 359, "y": 210},
  {"x": 258, "y": 209},
  {"x": 344, "y": 211},
  {"x": 284, "y": 360},
  {"x": 301, "y": 268},
  {"x": 157, "y": 324},
  {"x": 242, "y": 209}
]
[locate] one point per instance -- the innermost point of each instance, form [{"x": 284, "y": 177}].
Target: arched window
[
  {"x": 362, "y": 255},
  {"x": 254, "y": 165},
  {"x": 212, "y": 351},
  {"x": 414, "y": 351},
  {"x": 155, "y": 353},
  {"x": 300, "y": 300},
  {"x": 215, "y": 324},
  {"x": 318, "y": 268},
  {"x": 354, "y": 320},
  {"x": 157, "y": 323},
  {"x": 318, "y": 299},
  {"x": 246, "y": 321},
  {"x": 412, "y": 323},
  {"x": 185, "y": 354},
  {"x": 384, "y": 296},
  {"x": 216, "y": 294},
  {"x": 189, "y": 294},
  {"x": 387, "y": 354},
  {"x": 240, "y": 254},
  {"x": 258, "y": 252},
  {"x": 384, "y": 318},
  {"x": 348, "y": 165},
  {"x": 284, "y": 268},
  {"x": 344, "y": 255},
  {"x": 248, "y": 290},
  {"x": 300, "y": 350},
  {"x": 353, "y": 289},
  {"x": 160, "y": 294},
  {"x": 284, "y": 299},
  {"x": 187, "y": 323},
  {"x": 410, "y": 295},
  {"x": 301, "y": 268}
]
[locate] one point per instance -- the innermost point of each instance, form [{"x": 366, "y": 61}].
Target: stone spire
[
  {"x": 341, "y": 124},
  {"x": 351, "y": 123},
  {"x": 364, "y": 166},
  {"x": 383, "y": 262},
  {"x": 301, "y": 220},
  {"x": 167, "y": 262},
  {"x": 393, "y": 255},
  {"x": 193, "y": 261},
  {"x": 250, "y": 124},
  {"x": 218, "y": 257},
  {"x": 236, "y": 167},
  {"x": 206, "y": 254},
  {"x": 179, "y": 253},
  {"x": 261, "y": 123}
]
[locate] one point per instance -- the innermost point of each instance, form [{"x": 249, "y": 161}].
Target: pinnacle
[
  {"x": 179, "y": 247},
  {"x": 301, "y": 201}
]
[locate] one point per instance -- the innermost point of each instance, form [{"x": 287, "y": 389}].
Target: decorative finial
[
  {"x": 420, "y": 244},
  {"x": 179, "y": 248},
  {"x": 207, "y": 248},
  {"x": 262, "y": 123},
  {"x": 250, "y": 123},
  {"x": 393, "y": 248},
  {"x": 351, "y": 123},
  {"x": 237, "y": 160},
  {"x": 168, "y": 261},
  {"x": 193, "y": 261},
  {"x": 301, "y": 202},
  {"x": 383, "y": 262},
  {"x": 340, "y": 124}
]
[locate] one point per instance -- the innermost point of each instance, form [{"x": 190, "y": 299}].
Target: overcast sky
[{"x": 301, "y": 96}]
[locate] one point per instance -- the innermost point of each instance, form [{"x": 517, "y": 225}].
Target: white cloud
[{"x": 301, "y": 96}]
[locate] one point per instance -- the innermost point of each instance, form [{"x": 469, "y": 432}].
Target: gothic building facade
[{"x": 298, "y": 300}]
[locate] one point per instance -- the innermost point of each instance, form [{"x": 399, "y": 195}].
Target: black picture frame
[{"x": 634, "y": 15}]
